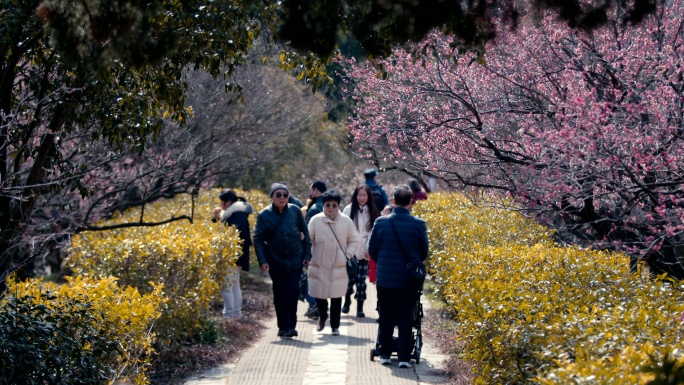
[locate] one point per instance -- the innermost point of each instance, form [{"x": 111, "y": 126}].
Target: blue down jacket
[{"x": 384, "y": 250}]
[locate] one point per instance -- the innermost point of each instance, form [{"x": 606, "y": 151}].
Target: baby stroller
[{"x": 416, "y": 333}]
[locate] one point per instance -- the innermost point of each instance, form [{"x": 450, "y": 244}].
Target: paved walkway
[{"x": 315, "y": 358}]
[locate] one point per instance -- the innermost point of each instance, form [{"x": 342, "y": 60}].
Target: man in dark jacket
[
  {"x": 283, "y": 246},
  {"x": 396, "y": 298},
  {"x": 379, "y": 194},
  {"x": 317, "y": 189}
]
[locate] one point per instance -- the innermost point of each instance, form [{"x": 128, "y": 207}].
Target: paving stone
[{"x": 319, "y": 358}]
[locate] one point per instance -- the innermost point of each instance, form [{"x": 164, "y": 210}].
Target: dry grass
[
  {"x": 439, "y": 329},
  {"x": 234, "y": 336}
]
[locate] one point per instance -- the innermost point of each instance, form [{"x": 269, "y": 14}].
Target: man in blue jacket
[
  {"x": 396, "y": 298},
  {"x": 379, "y": 195},
  {"x": 283, "y": 246}
]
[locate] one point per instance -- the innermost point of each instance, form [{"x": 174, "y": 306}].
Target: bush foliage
[
  {"x": 189, "y": 259},
  {"x": 532, "y": 311},
  {"x": 87, "y": 331},
  {"x": 138, "y": 289}
]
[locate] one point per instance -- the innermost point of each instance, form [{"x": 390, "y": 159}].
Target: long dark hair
[{"x": 372, "y": 209}]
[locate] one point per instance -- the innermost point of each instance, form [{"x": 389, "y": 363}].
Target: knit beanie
[{"x": 278, "y": 186}]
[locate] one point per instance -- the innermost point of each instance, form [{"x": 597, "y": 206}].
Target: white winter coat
[
  {"x": 361, "y": 226},
  {"x": 327, "y": 270}
]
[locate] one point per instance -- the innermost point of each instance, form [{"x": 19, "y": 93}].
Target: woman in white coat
[
  {"x": 363, "y": 213},
  {"x": 334, "y": 239}
]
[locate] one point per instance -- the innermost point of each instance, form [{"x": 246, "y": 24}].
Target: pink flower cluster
[{"x": 585, "y": 130}]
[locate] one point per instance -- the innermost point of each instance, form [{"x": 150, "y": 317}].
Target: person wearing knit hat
[
  {"x": 293, "y": 199},
  {"x": 279, "y": 186},
  {"x": 283, "y": 248},
  {"x": 379, "y": 194},
  {"x": 370, "y": 173}
]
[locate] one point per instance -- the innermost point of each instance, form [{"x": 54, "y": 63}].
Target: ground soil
[{"x": 233, "y": 336}]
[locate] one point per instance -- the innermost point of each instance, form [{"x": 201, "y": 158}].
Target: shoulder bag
[
  {"x": 353, "y": 262},
  {"x": 416, "y": 270}
]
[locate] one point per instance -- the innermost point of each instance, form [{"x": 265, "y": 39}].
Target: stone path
[{"x": 315, "y": 358}]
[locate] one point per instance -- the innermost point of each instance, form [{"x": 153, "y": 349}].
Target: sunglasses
[
  {"x": 331, "y": 205},
  {"x": 281, "y": 195}
]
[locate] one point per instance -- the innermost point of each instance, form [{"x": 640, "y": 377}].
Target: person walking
[
  {"x": 334, "y": 239},
  {"x": 292, "y": 199},
  {"x": 234, "y": 211},
  {"x": 396, "y": 297},
  {"x": 418, "y": 193},
  {"x": 314, "y": 206},
  {"x": 363, "y": 213},
  {"x": 283, "y": 246},
  {"x": 379, "y": 194}
]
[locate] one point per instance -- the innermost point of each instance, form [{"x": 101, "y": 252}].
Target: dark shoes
[
  {"x": 347, "y": 303},
  {"x": 312, "y": 312},
  {"x": 359, "y": 309},
  {"x": 287, "y": 333},
  {"x": 321, "y": 324}
]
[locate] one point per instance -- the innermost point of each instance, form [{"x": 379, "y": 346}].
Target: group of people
[{"x": 320, "y": 237}]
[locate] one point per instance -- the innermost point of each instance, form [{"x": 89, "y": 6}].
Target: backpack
[{"x": 377, "y": 197}]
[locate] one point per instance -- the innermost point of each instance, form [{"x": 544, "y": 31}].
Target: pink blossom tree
[{"x": 584, "y": 130}]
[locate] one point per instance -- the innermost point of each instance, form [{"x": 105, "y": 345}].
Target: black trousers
[
  {"x": 335, "y": 310},
  {"x": 285, "y": 297},
  {"x": 396, "y": 307}
]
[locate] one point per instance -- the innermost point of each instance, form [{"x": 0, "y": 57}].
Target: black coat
[
  {"x": 238, "y": 215},
  {"x": 279, "y": 243}
]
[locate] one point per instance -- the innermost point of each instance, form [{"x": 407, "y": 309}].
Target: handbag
[
  {"x": 353, "y": 262},
  {"x": 416, "y": 269},
  {"x": 303, "y": 278}
]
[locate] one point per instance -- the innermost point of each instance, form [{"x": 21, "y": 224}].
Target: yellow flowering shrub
[
  {"x": 189, "y": 259},
  {"x": 457, "y": 226},
  {"x": 118, "y": 314},
  {"x": 531, "y": 311}
]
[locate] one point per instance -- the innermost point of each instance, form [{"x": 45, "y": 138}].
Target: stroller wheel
[
  {"x": 418, "y": 344},
  {"x": 372, "y": 354}
]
